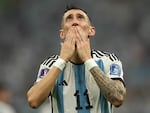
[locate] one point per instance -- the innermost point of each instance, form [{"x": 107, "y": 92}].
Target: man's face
[{"x": 75, "y": 18}]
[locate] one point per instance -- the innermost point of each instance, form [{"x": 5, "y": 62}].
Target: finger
[
  {"x": 73, "y": 42},
  {"x": 78, "y": 42},
  {"x": 82, "y": 33},
  {"x": 72, "y": 38},
  {"x": 78, "y": 36},
  {"x": 69, "y": 36}
]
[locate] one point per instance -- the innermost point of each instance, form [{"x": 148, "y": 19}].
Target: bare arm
[
  {"x": 38, "y": 93},
  {"x": 113, "y": 90}
]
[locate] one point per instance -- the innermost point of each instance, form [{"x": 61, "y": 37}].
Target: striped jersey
[{"x": 75, "y": 90}]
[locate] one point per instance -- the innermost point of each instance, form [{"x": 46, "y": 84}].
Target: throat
[{"x": 76, "y": 59}]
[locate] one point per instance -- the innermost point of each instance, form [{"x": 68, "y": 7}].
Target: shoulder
[
  {"x": 111, "y": 63},
  {"x": 97, "y": 54},
  {"x": 50, "y": 60}
]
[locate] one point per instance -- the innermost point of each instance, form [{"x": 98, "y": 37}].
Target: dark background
[{"x": 29, "y": 33}]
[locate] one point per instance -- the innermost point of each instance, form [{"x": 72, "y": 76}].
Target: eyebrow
[
  {"x": 68, "y": 16},
  {"x": 65, "y": 18},
  {"x": 78, "y": 14}
]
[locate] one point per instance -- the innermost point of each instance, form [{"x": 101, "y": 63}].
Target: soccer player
[{"x": 79, "y": 79}]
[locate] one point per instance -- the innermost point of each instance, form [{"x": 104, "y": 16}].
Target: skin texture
[
  {"x": 113, "y": 90},
  {"x": 76, "y": 32}
]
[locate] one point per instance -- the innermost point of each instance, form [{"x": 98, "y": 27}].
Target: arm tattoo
[{"x": 113, "y": 90}]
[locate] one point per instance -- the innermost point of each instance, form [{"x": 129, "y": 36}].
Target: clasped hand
[{"x": 76, "y": 42}]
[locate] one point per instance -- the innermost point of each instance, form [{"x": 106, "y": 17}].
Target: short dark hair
[{"x": 71, "y": 6}]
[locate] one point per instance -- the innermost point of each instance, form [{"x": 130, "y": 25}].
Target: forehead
[{"x": 74, "y": 12}]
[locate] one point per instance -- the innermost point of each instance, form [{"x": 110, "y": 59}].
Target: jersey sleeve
[
  {"x": 45, "y": 67},
  {"x": 113, "y": 67},
  {"x": 116, "y": 70},
  {"x": 42, "y": 72}
]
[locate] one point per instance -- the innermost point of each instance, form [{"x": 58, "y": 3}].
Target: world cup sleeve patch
[
  {"x": 115, "y": 69},
  {"x": 43, "y": 72}
]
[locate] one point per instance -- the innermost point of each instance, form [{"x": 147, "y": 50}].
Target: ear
[
  {"x": 61, "y": 34},
  {"x": 92, "y": 31}
]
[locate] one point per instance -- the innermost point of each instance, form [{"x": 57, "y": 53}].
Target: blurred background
[{"x": 29, "y": 33}]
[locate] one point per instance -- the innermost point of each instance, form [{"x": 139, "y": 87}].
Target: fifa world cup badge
[{"x": 115, "y": 69}]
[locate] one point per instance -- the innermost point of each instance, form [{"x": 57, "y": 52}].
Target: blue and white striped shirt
[{"x": 75, "y": 90}]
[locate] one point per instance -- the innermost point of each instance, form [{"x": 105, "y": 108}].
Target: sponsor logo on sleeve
[
  {"x": 115, "y": 69},
  {"x": 43, "y": 72}
]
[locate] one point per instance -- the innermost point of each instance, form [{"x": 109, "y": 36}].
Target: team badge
[
  {"x": 115, "y": 69},
  {"x": 43, "y": 72}
]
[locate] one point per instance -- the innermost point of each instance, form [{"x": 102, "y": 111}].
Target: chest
[{"x": 77, "y": 81}]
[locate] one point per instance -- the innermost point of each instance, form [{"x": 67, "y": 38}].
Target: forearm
[
  {"x": 40, "y": 91},
  {"x": 113, "y": 90}
]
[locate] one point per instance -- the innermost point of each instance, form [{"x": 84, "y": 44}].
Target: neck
[{"x": 76, "y": 59}]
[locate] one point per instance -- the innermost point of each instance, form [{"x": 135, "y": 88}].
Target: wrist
[
  {"x": 60, "y": 63},
  {"x": 90, "y": 63},
  {"x": 63, "y": 58}
]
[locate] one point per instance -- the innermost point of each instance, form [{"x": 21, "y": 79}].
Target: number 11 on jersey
[{"x": 78, "y": 100}]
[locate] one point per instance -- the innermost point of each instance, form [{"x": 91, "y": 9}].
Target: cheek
[
  {"x": 65, "y": 29},
  {"x": 85, "y": 27}
]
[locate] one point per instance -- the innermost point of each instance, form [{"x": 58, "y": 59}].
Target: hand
[
  {"x": 83, "y": 44},
  {"x": 68, "y": 46}
]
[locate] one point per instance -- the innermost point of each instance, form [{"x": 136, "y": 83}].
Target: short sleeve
[
  {"x": 42, "y": 72},
  {"x": 45, "y": 67},
  {"x": 113, "y": 68}
]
